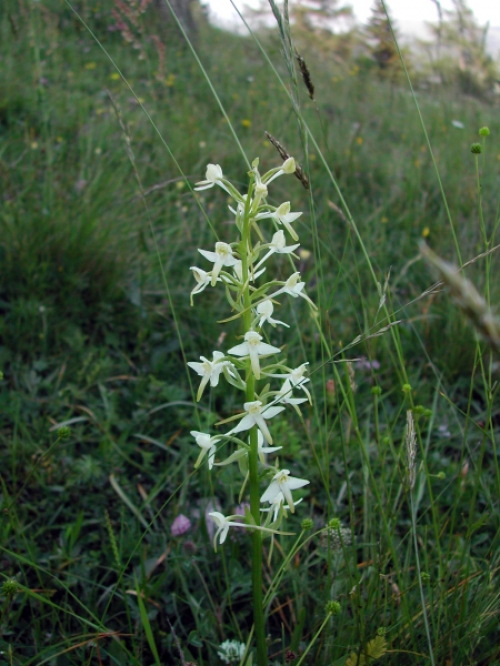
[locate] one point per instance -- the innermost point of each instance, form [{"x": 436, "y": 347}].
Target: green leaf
[{"x": 147, "y": 626}]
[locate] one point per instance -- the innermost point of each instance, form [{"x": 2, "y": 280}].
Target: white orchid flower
[
  {"x": 294, "y": 288},
  {"x": 225, "y": 522},
  {"x": 295, "y": 378},
  {"x": 283, "y": 483},
  {"x": 210, "y": 370},
  {"x": 214, "y": 176},
  {"x": 254, "y": 348},
  {"x": 203, "y": 279},
  {"x": 238, "y": 272},
  {"x": 288, "y": 167},
  {"x": 257, "y": 414},
  {"x": 276, "y": 503},
  {"x": 285, "y": 395},
  {"x": 243, "y": 452},
  {"x": 278, "y": 245},
  {"x": 282, "y": 215},
  {"x": 260, "y": 189},
  {"x": 223, "y": 256},
  {"x": 262, "y": 450},
  {"x": 240, "y": 208},
  {"x": 207, "y": 445},
  {"x": 265, "y": 310}
]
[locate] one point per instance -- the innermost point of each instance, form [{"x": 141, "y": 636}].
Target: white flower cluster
[
  {"x": 231, "y": 652},
  {"x": 237, "y": 266}
]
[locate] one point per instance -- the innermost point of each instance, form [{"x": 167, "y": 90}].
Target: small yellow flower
[
  {"x": 359, "y": 140},
  {"x": 170, "y": 80},
  {"x": 90, "y": 65},
  {"x": 98, "y": 151},
  {"x": 115, "y": 76},
  {"x": 180, "y": 184},
  {"x": 417, "y": 163},
  {"x": 304, "y": 254},
  {"x": 202, "y": 144},
  {"x": 34, "y": 145},
  {"x": 246, "y": 123},
  {"x": 426, "y": 232},
  {"x": 384, "y": 220}
]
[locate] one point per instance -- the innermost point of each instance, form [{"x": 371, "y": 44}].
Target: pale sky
[{"x": 401, "y": 10}]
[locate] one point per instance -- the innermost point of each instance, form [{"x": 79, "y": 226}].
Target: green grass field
[{"x": 99, "y": 226}]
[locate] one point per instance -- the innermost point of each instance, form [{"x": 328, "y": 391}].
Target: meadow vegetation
[{"x": 98, "y": 228}]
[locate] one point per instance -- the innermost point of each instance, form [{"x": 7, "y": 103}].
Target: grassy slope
[{"x": 89, "y": 333}]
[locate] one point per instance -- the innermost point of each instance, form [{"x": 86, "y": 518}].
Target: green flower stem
[
  {"x": 315, "y": 638},
  {"x": 253, "y": 458}
]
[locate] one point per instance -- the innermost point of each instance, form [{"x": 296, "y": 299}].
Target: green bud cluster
[
  {"x": 333, "y": 608},
  {"x": 10, "y": 588},
  {"x": 476, "y": 149},
  {"x": 306, "y": 524}
]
